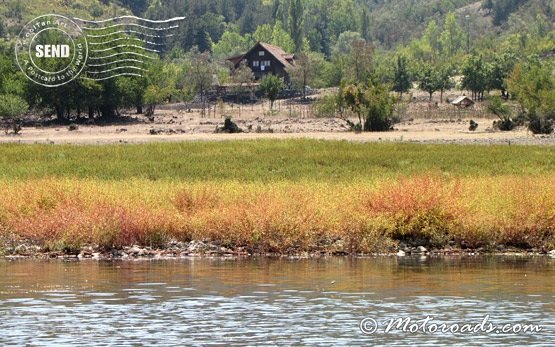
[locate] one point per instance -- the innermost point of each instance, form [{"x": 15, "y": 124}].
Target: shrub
[
  {"x": 326, "y": 107},
  {"x": 473, "y": 126},
  {"x": 423, "y": 210},
  {"x": 503, "y": 112},
  {"x": 540, "y": 124},
  {"x": 11, "y": 108}
]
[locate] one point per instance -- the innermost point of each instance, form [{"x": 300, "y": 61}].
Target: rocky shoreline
[{"x": 200, "y": 249}]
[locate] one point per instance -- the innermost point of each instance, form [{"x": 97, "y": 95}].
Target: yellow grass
[{"x": 283, "y": 217}]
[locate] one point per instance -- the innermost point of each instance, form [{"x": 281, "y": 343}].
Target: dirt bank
[{"x": 173, "y": 126}]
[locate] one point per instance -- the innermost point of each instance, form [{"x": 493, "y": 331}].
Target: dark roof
[{"x": 285, "y": 59}]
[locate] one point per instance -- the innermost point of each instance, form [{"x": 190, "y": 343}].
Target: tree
[
  {"x": 264, "y": 33},
  {"x": 487, "y": 4},
  {"x": 242, "y": 74},
  {"x": 201, "y": 73},
  {"x": 160, "y": 85},
  {"x": 443, "y": 80},
  {"x": 361, "y": 60},
  {"x": 11, "y": 108},
  {"x": 282, "y": 38},
  {"x": 232, "y": 43},
  {"x": 275, "y": 35},
  {"x": 500, "y": 68},
  {"x": 452, "y": 36},
  {"x": 372, "y": 104},
  {"x": 271, "y": 86},
  {"x": 345, "y": 41},
  {"x": 503, "y": 112},
  {"x": 432, "y": 38},
  {"x": 365, "y": 25},
  {"x": 401, "y": 78},
  {"x": 533, "y": 85},
  {"x": 428, "y": 80},
  {"x": 305, "y": 70},
  {"x": 475, "y": 76},
  {"x": 96, "y": 10},
  {"x": 296, "y": 23},
  {"x": 132, "y": 92}
]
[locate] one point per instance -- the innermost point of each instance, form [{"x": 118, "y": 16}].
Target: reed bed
[{"x": 363, "y": 216}]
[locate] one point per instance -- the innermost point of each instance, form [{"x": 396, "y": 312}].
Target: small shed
[{"x": 463, "y": 102}]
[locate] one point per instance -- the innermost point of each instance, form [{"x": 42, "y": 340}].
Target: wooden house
[{"x": 264, "y": 59}]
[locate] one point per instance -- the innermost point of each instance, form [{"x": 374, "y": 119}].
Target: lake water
[{"x": 273, "y": 302}]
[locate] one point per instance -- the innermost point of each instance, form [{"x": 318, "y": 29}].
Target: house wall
[{"x": 256, "y": 62}]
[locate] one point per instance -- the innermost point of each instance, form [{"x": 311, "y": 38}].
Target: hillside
[
  {"x": 15, "y": 13},
  {"x": 386, "y": 23}
]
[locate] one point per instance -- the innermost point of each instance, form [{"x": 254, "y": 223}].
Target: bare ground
[{"x": 424, "y": 123}]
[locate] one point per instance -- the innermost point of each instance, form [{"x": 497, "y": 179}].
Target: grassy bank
[
  {"x": 270, "y": 161},
  {"x": 279, "y": 196}
]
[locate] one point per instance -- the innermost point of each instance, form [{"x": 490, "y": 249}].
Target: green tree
[
  {"x": 365, "y": 25},
  {"x": 533, "y": 86},
  {"x": 201, "y": 73},
  {"x": 372, "y": 104},
  {"x": 296, "y": 23},
  {"x": 361, "y": 61},
  {"x": 307, "y": 66},
  {"x": 282, "y": 38},
  {"x": 11, "y": 108},
  {"x": 275, "y": 35},
  {"x": 432, "y": 38},
  {"x": 232, "y": 43},
  {"x": 499, "y": 70},
  {"x": 132, "y": 90},
  {"x": 443, "y": 80},
  {"x": 345, "y": 41},
  {"x": 160, "y": 85},
  {"x": 264, "y": 33},
  {"x": 428, "y": 80},
  {"x": 452, "y": 37},
  {"x": 271, "y": 86},
  {"x": 401, "y": 77},
  {"x": 503, "y": 112},
  {"x": 475, "y": 76}
]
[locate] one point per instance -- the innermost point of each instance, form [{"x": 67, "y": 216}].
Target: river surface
[{"x": 206, "y": 302}]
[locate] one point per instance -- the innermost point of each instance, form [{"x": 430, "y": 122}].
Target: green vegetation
[
  {"x": 432, "y": 44},
  {"x": 271, "y": 86},
  {"x": 268, "y": 161},
  {"x": 11, "y": 108}
]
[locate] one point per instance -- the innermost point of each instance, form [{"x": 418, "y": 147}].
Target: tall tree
[
  {"x": 475, "y": 76},
  {"x": 401, "y": 77},
  {"x": 452, "y": 37},
  {"x": 305, "y": 70},
  {"x": 428, "y": 80},
  {"x": 296, "y": 23},
  {"x": 365, "y": 25}
]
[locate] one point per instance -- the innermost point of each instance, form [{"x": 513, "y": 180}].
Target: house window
[
  {"x": 266, "y": 63},
  {"x": 256, "y": 63},
  {"x": 261, "y": 53}
]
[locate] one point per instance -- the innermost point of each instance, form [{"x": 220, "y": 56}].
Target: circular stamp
[{"x": 51, "y": 50}]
